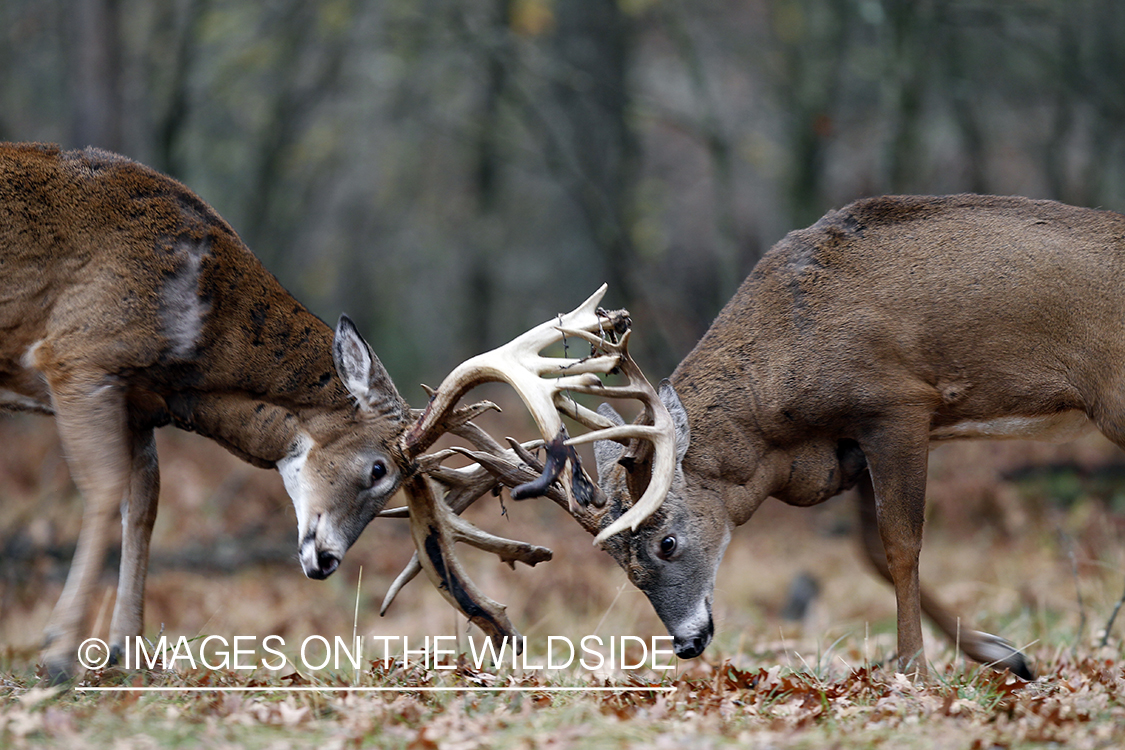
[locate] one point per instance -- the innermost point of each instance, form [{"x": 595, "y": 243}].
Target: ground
[{"x": 1022, "y": 540}]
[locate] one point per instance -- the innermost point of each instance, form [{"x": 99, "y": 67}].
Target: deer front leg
[
  {"x": 138, "y": 514},
  {"x": 977, "y": 645},
  {"x": 897, "y": 461},
  {"x": 90, "y": 414}
]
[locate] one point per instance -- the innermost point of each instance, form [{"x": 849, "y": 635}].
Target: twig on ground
[
  {"x": 1077, "y": 592},
  {"x": 1112, "y": 617}
]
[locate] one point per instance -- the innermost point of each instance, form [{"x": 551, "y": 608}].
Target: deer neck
[
  {"x": 257, "y": 370},
  {"x": 727, "y": 454},
  {"x": 753, "y": 435},
  {"x": 256, "y": 430}
]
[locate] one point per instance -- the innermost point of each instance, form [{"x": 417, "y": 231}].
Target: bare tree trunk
[
  {"x": 96, "y": 75},
  {"x": 480, "y": 286},
  {"x": 298, "y": 95},
  {"x": 965, "y": 113},
  {"x": 906, "y": 76},
  {"x": 172, "y": 122},
  {"x": 720, "y": 150},
  {"x": 812, "y": 40},
  {"x": 592, "y": 41}
]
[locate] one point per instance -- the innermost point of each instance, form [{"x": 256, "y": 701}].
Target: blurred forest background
[{"x": 450, "y": 173}]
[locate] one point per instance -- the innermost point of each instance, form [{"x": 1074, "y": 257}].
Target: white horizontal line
[{"x": 424, "y": 689}]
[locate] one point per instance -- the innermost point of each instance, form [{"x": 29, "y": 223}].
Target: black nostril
[
  {"x": 689, "y": 648},
  {"x": 327, "y": 563}
]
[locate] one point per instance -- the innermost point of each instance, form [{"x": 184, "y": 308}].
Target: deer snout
[
  {"x": 691, "y": 634},
  {"x": 318, "y": 562},
  {"x": 691, "y": 646}
]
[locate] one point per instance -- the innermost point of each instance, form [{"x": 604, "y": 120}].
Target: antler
[
  {"x": 494, "y": 466},
  {"x": 544, "y": 384},
  {"x": 520, "y": 364}
]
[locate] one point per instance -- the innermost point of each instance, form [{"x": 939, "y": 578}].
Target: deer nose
[
  {"x": 326, "y": 564},
  {"x": 689, "y": 648},
  {"x": 692, "y": 646},
  {"x": 318, "y": 564}
]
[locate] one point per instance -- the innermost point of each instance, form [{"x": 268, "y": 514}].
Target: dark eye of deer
[
  {"x": 667, "y": 546},
  {"x": 378, "y": 471}
]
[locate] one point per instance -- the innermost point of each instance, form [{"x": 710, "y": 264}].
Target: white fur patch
[
  {"x": 182, "y": 311},
  {"x": 18, "y": 401},
  {"x": 28, "y": 359},
  {"x": 995, "y": 649},
  {"x": 291, "y": 469},
  {"x": 1057, "y": 428},
  {"x": 693, "y": 624},
  {"x": 307, "y": 554}
]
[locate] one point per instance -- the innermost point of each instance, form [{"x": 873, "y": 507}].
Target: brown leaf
[{"x": 422, "y": 742}]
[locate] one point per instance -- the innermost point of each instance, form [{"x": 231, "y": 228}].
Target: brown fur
[
  {"x": 126, "y": 304},
  {"x": 889, "y": 324}
]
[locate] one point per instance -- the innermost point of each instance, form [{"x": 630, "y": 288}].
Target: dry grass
[{"x": 1038, "y": 560}]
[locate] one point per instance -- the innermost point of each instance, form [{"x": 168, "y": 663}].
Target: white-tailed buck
[
  {"x": 854, "y": 346},
  {"x": 127, "y": 303}
]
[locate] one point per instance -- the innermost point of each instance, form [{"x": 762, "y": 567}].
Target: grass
[
  {"x": 1078, "y": 703},
  {"x": 1001, "y": 550}
]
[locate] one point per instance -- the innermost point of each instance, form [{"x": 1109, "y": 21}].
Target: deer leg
[
  {"x": 897, "y": 462},
  {"x": 138, "y": 514},
  {"x": 90, "y": 414},
  {"x": 978, "y": 646}
]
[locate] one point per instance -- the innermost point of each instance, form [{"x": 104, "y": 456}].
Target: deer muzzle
[
  {"x": 691, "y": 635},
  {"x": 692, "y": 646},
  {"x": 318, "y": 562}
]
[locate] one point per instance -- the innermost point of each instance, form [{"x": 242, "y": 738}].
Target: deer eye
[
  {"x": 378, "y": 471},
  {"x": 668, "y": 546}
]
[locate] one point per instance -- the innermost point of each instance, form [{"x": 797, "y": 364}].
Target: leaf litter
[{"x": 1078, "y": 703}]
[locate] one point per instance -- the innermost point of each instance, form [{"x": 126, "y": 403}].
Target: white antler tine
[
  {"x": 412, "y": 569},
  {"x": 587, "y": 336},
  {"x": 587, "y": 311},
  {"x": 663, "y": 471},
  {"x": 579, "y": 413}
]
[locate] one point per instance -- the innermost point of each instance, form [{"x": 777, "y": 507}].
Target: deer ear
[
  {"x": 671, "y": 401},
  {"x": 606, "y": 452},
  {"x": 361, "y": 371}
]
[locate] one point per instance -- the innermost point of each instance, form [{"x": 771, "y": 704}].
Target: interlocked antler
[
  {"x": 494, "y": 466},
  {"x": 543, "y": 383}
]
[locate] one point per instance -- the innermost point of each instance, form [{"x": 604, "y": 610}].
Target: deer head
[
  {"x": 340, "y": 479},
  {"x": 674, "y": 556}
]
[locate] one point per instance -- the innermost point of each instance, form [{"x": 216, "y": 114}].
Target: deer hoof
[
  {"x": 59, "y": 671},
  {"x": 997, "y": 652}
]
